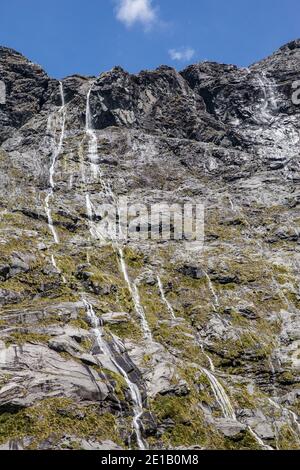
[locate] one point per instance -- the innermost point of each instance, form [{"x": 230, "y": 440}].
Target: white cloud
[
  {"x": 130, "y": 12},
  {"x": 183, "y": 54}
]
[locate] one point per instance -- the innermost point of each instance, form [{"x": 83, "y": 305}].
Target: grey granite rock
[{"x": 224, "y": 317}]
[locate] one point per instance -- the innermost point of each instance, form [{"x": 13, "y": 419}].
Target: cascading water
[
  {"x": 92, "y": 137},
  {"x": 137, "y": 400},
  {"x": 259, "y": 440},
  {"x": 224, "y": 401},
  {"x": 62, "y": 135},
  {"x": 49, "y": 216},
  {"x": 293, "y": 417},
  {"x": 211, "y": 364},
  {"x": 133, "y": 388},
  {"x": 269, "y": 91},
  {"x": 55, "y": 155},
  {"x": 231, "y": 204},
  {"x": 221, "y": 396},
  {"x": 164, "y": 299},
  {"x": 212, "y": 290},
  {"x": 93, "y": 158},
  {"x": 269, "y": 102},
  {"x": 95, "y": 231},
  {"x": 89, "y": 207},
  {"x": 219, "y": 391},
  {"x": 134, "y": 292},
  {"x": 57, "y": 268},
  {"x": 283, "y": 135},
  {"x": 226, "y": 407}
]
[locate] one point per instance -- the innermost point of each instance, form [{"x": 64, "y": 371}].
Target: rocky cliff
[{"x": 142, "y": 343}]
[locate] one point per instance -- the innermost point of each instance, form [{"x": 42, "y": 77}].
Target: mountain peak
[
  {"x": 295, "y": 44},
  {"x": 9, "y": 51}
]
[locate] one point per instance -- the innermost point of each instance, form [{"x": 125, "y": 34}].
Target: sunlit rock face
[{"x": 109, "y": 343}]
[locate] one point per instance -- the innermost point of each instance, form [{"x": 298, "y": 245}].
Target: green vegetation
[
  {"x": 288, "y": 439},
  {"x": 128, "y": 330},
  {"x": 53, "y": 418},
  {"x": 117, "y": 382},
  {"x": 23, "y": 337}
]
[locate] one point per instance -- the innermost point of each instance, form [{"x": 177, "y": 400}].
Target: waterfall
[
  {"x": 269, "y": 98},
  {"x": 133, "y": 289},
  {"x": 226, "y": 407},
  {"x": 133, "y": 388},
  {"x": 220, "y": 395},
  {"x": 290, "y": 413},
  {"x": 137, "y": 400},
  {"x": 164, "y": 299},
  {"x": 89, "y": 208},
  {"x": 225, "y": 404},
  {"x": 57, "y": 268},
  {"x": 212, "y": 290},
  {"x": 294, "y": 419},
  {"x": 224, "y": 401},
  {"x": 55, "y": 154},
  {"x": 92, "y": 137},
  {"x": 259, "y": 440},
  {"x": 219, "y": 391},
  {"x": 231, "y": 204},
  {"x": 93, "y": 158},
  {"x": 49, "y": 216},
  {"x": 211, "y": 364},
  {"x": 71, "y": 182},
  {"x": 62, "y": 134},
  {"x": 269, "y": 90},
  {"x": 90, "y": 211}
]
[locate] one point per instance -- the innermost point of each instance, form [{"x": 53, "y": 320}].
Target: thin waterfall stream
[
  {"x": 134, "y": 292},
  {"x": 93, "y": 158},
  {"x": 217, "y": 388},
  {"x": 224, "y": 401},
  {"x": 132, "y": 387},
  {"x": 226, "y": 407},
  {"x": 164, "y": 299},
  {"x": 293, "y": 417},
  {"x": 55, "y": 154},
  {"x": 213, "y": 292},
  {"x": 269, "y": 99},
  {"x": 211, "y": 364},
  {"x": 220, "y": 395},
  {"x": 259, "y": 440}
]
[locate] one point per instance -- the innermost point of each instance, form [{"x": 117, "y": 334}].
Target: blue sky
[{"x": 91, "y": 36}]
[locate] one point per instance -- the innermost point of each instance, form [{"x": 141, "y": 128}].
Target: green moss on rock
[{"x": 55, "y": 417}]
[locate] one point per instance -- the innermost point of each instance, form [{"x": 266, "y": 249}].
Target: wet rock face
[
  {"x": 44, "y": 373},
  {"x": 150, "y": 343},
  {"x": 159, "y": 102},
  {"x": 26, "y": 86},
  {"x": 242, "y": 88}
]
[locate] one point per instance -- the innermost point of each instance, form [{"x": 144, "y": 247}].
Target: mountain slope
[{"x": 147, "y": 343}]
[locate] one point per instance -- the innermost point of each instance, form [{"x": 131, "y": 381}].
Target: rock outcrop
[{"x": 142, "y": 343}]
